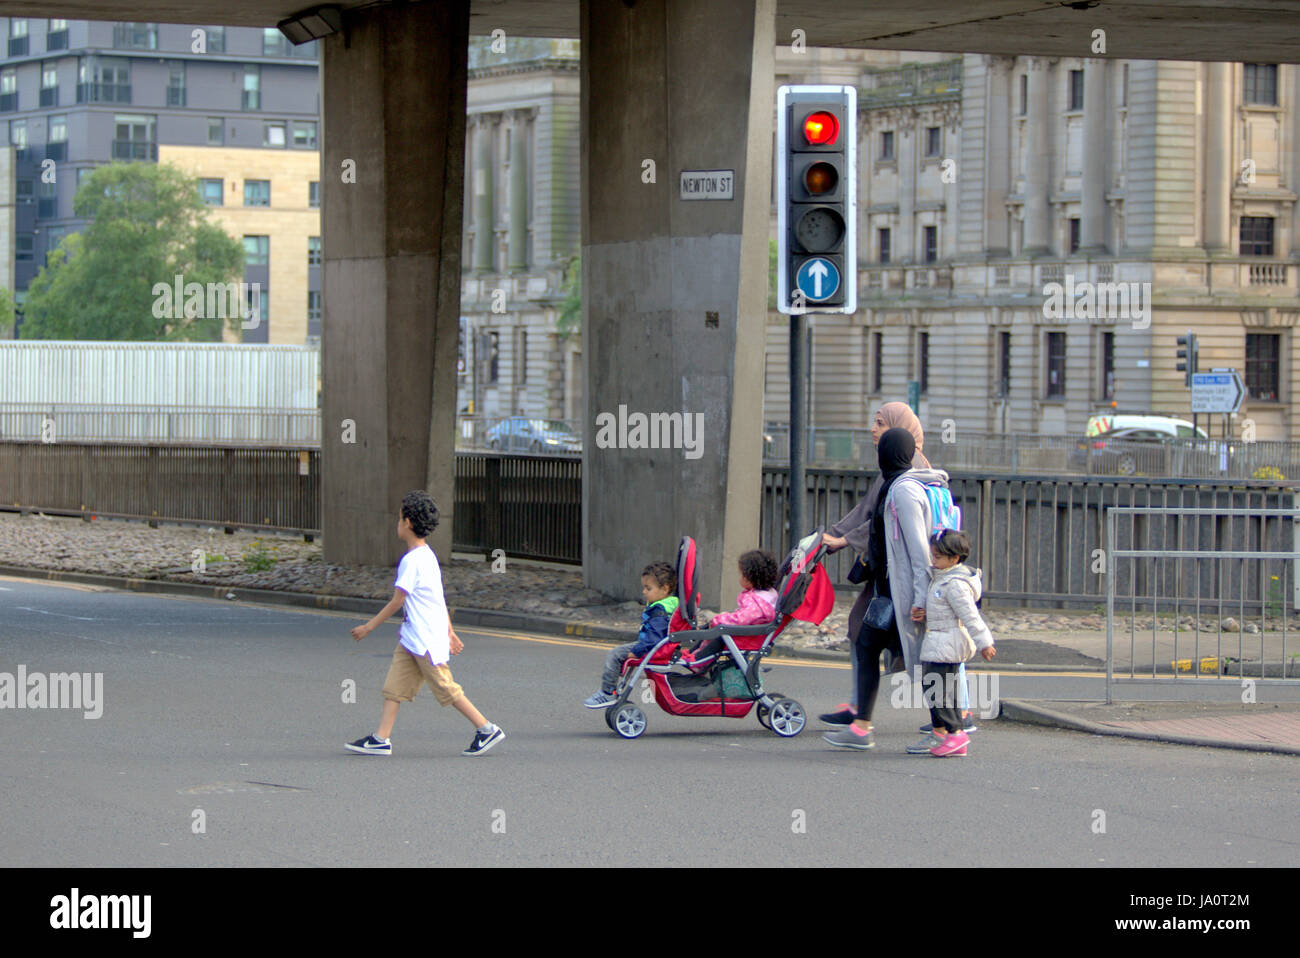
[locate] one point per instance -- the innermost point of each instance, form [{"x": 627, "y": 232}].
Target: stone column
[
  {"x": 518, "y": 259},
  {"x": 484, "y": 205},
  {"x": 674, "y": 292},
  {"x": 998, "y": 106},
  {"x": 1038, "y": 219},
  {"x": 1219, "y": 172},
  {"x": 1092, "y": 227},
  {"x": 393, "y": 120}
]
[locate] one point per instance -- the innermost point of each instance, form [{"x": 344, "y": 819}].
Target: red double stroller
[{"x": 729, "y": 681}]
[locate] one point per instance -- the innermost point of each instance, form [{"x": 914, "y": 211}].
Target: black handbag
[
  {"x": 859, "y": 572},
  {"x": 879, "y": 614}
]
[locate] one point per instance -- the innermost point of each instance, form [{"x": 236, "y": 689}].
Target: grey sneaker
[
  {"x": 923, "y": 747},
  {"x": 601, "y": 700},
  {"x": 848, "y": 738},
  {"x": 967, "y": 725}
]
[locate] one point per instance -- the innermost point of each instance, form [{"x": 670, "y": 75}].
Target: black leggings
[{"x": 871, "y": 642}]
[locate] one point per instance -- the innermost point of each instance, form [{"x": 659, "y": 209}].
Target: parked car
[
  {"x": 518, "y": 434},
  {"x": 1125, "y": 445}
]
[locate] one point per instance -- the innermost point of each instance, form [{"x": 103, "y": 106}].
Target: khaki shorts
[{"x": 408, "y": 672}]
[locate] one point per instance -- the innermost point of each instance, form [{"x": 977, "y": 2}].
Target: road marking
[
  {"x": 61, "y": 615},
  {"x": 79, "y": 586}
]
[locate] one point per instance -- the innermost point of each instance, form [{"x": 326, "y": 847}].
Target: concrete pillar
[
  {"x": 484, "y": 198},
  {"x": 518, "y": 258},
  {"x": 1219, "y": 173},
  {"x": 905, "y": 138},
  {"x": 674, "y": 293},
  {"x": 1038, "y": 220},
  {"x": 1092, "y": 226},
  {"x": 998, "y": 105},
  {"x": 392, "y": 175}
]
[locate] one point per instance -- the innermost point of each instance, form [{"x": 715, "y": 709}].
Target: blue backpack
[{"x": 944, "y": 513}]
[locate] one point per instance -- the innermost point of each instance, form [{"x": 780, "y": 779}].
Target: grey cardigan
[{"x": 907, "y": 555}]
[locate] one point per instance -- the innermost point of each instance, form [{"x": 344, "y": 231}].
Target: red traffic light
[{"x": 821, "y": 128}]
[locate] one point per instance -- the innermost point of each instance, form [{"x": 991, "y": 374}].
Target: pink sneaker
[{"x": 953, "y": 744}]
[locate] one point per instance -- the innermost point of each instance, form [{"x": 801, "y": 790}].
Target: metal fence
[
  {"x": 1039, "y": 539},
  {"x": 521, "y": 434},
  {"x": 211, "y": 425},
  {"x": 1231, "y": 594},
  {"x": 1073, "y": 455}
]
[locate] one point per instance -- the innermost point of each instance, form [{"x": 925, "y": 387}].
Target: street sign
[
  {"x": 818, "y": 279},
  {"x": 1217, "y": 392},
  {"x": 708, "y": 184}
]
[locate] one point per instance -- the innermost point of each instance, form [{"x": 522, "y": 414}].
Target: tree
[
  {"x": 147, "y": 226},
  {"x": 6, "y": 309},
  {"x": 569, "y": 322}
]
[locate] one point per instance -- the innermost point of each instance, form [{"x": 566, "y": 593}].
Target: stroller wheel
[
  {"x": 787, "y": 718},
  {"x": 764, "y": 713},
  {"x": 627, "y": 721}
]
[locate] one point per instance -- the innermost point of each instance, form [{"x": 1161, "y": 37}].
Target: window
[
  {"x": 877, "y": 360},
  {"x": 59, "y": 128},
  {"x": 494, "y": 357},
  {"x": 18, "y": 134},
  {"x": 257, "y": 250},
  {"x": 933, "y": 141},
  {"x": 257, "y": 192},
  {"x": 47, "y": 205},
  {"x": 313, "y": 250},
  {"x": 49, "y": 84},
  {"x": 1074, "y": 234},
  {"x": 930, "y": 237},
  {"x": 56, "y": 36},
  {"x": 1107, "y": 365},
  {"x": 176, "y": 83},
  {"x": 884, "y": 245},
  {"x": 252, "y": 99},
  {"x": 1256, "y": 236},
  {"x": 25, "y": 191},
  {"x": 1055, "y": 365},
  {"x": 887, "y": 144},
  {"x": 1076, "y": 90},
  {"x": 923, "y": 361},
  {"x": 136, "y": 36},
  {"x": 216, "y": 131},
  {"x": 216, "y": 39},
  {"x": 1259, "y": 83},
  {"x": 521, "y": 356},
  {"x": 313, "y": 194},
  {"x": 1004, "y": 363},
  {"x": 53, "y": 237},
  {"x": 133, "y": 138},
  {"x": 257, "y": 302},
  {"x": 213, "y": 192},
  {"x": 1024, "y": 94},
  {"x": 8, "y": 90},
  {"x": 103, "y": 81},
  {"x": 17, "y": 37},
  {"x": 24, "y": 245},
  {"x": 313, "y": 312},
  {"x": 57, "y": 25},
  {"x": 304, "y": 134},
  {"x": 273, "y": 42},
  {"x": 273, "y": 134},
  {"x": 1262, "y": 352}
]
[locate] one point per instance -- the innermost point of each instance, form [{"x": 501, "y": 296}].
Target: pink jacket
[{"x": 753, "y": 607}]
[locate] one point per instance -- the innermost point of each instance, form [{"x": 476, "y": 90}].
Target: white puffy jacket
[{"x": 954, "y": 628}]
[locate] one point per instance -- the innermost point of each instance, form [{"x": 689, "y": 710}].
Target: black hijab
[{"x": 895, "y": 452}]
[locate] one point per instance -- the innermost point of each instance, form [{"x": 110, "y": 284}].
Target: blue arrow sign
[{"x": 818, "y": 279}]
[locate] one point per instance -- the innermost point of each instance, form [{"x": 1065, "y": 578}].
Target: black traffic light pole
[{"x": 798, "y": 378}]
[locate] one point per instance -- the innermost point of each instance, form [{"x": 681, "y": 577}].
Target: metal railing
[
  {"x": 1165, "y": 564},
  {"x": 220, "y": 425},
  {"x": 1039, "y": 539},
  {"x": 1067, "y": 455},
  {"x": 519, "y": 434}
]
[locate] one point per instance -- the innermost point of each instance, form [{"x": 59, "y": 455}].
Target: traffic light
[
  {"x": 1188, "y": 357},
  {"x": 816, "y": 186}
]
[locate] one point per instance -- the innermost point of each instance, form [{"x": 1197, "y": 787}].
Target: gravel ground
[{"x": 286, "y": 562}]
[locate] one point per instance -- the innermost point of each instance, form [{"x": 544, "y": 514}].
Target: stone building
[{"x": 991, "y": 188}]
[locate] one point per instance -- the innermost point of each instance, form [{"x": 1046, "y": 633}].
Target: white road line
[{"x": 61, "y": 615}]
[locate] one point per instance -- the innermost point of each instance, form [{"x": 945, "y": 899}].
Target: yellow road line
[{"x": 801, "y": 663}]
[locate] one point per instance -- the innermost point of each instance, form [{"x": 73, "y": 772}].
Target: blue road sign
[{"x": 818, "y": 279}]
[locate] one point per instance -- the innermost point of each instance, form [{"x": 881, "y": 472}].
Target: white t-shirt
[{"x": 424, "y": 629}]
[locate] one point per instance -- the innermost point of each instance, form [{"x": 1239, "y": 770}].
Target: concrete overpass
[{"x": 674, "y": 293}]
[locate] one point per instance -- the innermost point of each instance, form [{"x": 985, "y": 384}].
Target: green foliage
[
  {"x": 6, "y": 309},
  {"x": 147, "y": 225},
  {"x": 257, "y": 558},
  {"x": 1267, "y": 472},
  {"x": 569, "y": 322},
  {"x": 771, "y": 274}
]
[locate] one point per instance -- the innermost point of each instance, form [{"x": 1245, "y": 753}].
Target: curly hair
[
  {"x": 662, "y": 573},
  {"x": 420, "y": 509},
  {"x": 759, "y": 568}
]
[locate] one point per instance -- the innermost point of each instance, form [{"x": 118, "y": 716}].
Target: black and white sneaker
[
  {"x": 371, "y": 746},
  {"x": 484, "y": 741}
]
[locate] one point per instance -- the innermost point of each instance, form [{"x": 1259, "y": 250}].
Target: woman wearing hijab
[
  {"x": 895, "y": 452},
  {"x": 854, "y": 531}
]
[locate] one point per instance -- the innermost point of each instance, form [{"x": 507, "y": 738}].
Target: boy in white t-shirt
[{"x": 426, "y": 639}]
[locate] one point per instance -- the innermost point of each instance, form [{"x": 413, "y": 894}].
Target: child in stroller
[
  {"x": 802, "y": 590},
  {"x": 755, "y": 605}
]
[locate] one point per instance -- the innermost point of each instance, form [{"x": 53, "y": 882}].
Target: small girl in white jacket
[{"x": 954, "y": 632}]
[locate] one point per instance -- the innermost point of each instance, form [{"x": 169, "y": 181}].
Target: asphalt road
[{"x": 237, "y": 711}]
